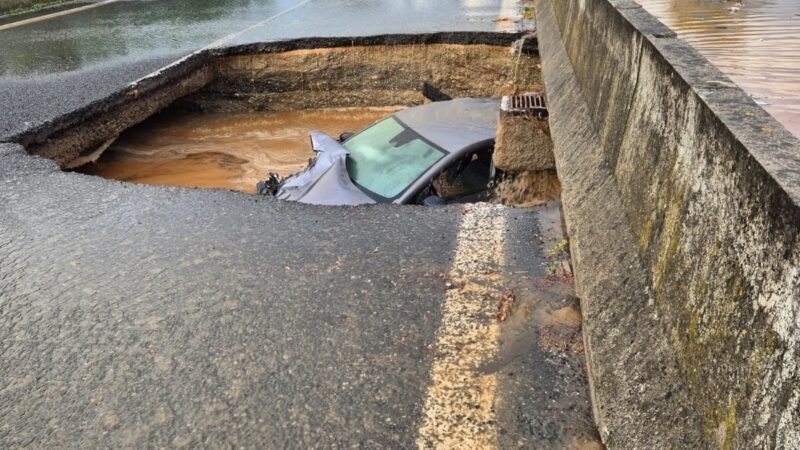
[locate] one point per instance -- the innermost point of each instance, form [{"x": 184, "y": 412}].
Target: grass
[
  {"x": 529, "y": 13},
  {"x": 560, "y": 248},
  {"x": 7, "y": 10},
  {"x": 557, "y": 256}
]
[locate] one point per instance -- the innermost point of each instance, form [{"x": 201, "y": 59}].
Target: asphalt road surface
[
  {"x": 51, "y": 67},
  {"x": 154, "y": 316},
  {"x": 146, "y": 316}
]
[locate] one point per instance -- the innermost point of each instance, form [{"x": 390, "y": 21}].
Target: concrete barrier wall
[{"x": 709, "y": 187}]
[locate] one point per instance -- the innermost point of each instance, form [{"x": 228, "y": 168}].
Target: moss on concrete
[
  {"x": 713, "y": 203},
  {"x": 645, "y": 235}
]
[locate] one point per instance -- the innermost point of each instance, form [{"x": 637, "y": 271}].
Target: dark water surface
[{"x": 758, "y": 46}]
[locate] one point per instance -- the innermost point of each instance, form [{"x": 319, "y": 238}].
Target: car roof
[{"x": 454, "y": 124}]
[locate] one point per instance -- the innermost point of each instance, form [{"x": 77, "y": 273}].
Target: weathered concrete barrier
[{"x": 681, "y": 199}]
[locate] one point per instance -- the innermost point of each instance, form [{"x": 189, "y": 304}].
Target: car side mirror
[
  {"x": 433, "y": 200},
  {"x": 345, "y": 136}
]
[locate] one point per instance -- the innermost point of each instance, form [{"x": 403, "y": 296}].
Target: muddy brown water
[
  {"x": 227, "y": 151},
  {"x": 757, "y": 46}
]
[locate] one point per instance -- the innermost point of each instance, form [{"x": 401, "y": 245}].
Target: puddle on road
[
  {"x": 228, "y": 151},
  {"x": 757, "y": 46}
]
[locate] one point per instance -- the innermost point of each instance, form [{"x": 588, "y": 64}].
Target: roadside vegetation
[
  {"x": 528, "y": 13},
  {"x": 14, "y": 7},
  {"x": 559, "y": 265}
]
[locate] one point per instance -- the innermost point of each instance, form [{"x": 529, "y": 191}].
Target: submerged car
[{"x": 430, "y": 154}]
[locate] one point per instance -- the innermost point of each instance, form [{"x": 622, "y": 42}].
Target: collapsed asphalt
[
  {"x": 135, "y": 314},
  {"x": 143, "y": 315},
  {"x": 153, "y": 316},
  {"x": 50, "y": 68}
]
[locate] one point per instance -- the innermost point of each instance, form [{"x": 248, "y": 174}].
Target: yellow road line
[
  {"x": 54, "y": 15},
  {"x": 459, "y": 407}
]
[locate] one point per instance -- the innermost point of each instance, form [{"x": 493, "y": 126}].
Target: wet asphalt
[
  {"x": 48, "y": 10},
  {"x": 161, "y": 317},
  {"x": 136, "y": 315},
  {"x": 151, "y": 316},
  {"x": 52, "y": 67}
]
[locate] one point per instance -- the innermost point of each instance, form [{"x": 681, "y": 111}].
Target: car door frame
[{"x": 437, "y": 169}]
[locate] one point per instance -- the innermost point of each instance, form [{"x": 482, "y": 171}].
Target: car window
[
  {"x": 388, "y": 157},
  {"x": 465, "y": 177}
]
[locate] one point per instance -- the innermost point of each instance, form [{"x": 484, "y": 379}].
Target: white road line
[
  {"x": 459, "y": 407},
  {"x": 54, "y": 15},
  {"x": 217, "y": 43},
  {"x": 232, "y": 36}
]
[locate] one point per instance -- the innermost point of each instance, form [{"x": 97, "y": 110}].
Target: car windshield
[{"x": 388, "y": 157}]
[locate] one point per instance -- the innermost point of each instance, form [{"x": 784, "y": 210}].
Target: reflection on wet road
[
  {"x": 139, "y": 30},
  {"x": 757, "y": 46},
  {"x": 50, "y": 68},
  {"x": 126, "y": 29},
  {"x": 37, "y": 13},
  {"x": 229, "y": 151},
  {"x": 367, "y": 17}
]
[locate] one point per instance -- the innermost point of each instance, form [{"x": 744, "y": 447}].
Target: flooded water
[
  {"x": 228, "y": 151},
  {"x": 757, "y": 44}
]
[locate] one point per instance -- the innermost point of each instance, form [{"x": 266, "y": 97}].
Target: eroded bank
[
  {"x": 375, "y": 71},
  {"x": 210, "y": 285},
  {"x": 302, "y": 78}
]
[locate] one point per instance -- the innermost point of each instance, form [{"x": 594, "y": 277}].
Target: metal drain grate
[{"x": 527, "y": 103}]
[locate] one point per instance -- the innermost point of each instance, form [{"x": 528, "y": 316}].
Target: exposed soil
[
  {"x": 229, "y": 151},
  {"x": 246, "y": 115},
  {"x": 363, "y": 76},
  {"x": 529, "y": 189}
]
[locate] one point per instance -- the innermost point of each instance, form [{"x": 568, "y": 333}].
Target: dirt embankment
[
  {"x": 358, "y": 76},
  {"x": 373, "y": 75}
]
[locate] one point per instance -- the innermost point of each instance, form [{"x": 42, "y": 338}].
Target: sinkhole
[{"x": 228, "y": 118}]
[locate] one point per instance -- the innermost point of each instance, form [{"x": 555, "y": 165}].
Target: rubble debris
[{"x": 505, "y": 305}]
